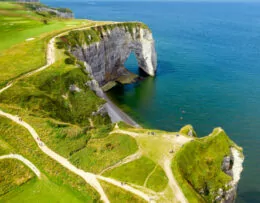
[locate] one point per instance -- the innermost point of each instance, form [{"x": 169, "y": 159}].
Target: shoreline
[{"x": 117, "y": 115}]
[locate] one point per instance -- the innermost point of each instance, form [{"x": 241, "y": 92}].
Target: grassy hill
[
  {"x": 24, "y": 36},
  {"x": 65, "y": 121}
]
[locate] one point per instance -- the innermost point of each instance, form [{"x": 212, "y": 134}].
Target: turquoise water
[{"x": 209, "y": 68}]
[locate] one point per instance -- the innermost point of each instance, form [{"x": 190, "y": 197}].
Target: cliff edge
[{"x": 104, "y": 49}]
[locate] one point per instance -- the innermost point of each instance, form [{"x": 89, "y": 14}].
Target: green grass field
[
  {"x": 41, "y": 191},
  {"x": 19, "y": 184},
  {"x": 117, "y": 195},
  {"x": 18, "y": 24},
  {"x": 13, "y": 174},
  {"x": 65, "y": 122},
  {"x": 20, "y": 142},
  {"x": 102, "y": 153},
  {"x": 203, "y": 171},
  {"x": 137, "y": 171}
]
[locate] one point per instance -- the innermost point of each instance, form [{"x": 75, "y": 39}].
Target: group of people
[
  {"x": 151, "y": 133},
  {"x": 20, "y": 119}
]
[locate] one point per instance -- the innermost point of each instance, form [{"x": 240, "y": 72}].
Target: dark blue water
[{"x": 209, "y": 67}]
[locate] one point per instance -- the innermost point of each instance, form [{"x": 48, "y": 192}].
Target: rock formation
[
  {"x": 105, "y": 58},
  {"x": 232, "y": 165},
  {"x": 62, "y": 13}
]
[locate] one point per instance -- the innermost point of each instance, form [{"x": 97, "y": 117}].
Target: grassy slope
[
  {"x": 61, "y": 119},
  {"x": 117, "y": 195},
  {"x": 41, "y": 191},
  {"x": 13, "y": 174},
  {"x": 197, "y": 166},
  {"x": 20, "y": 142},
  {"x": 102, "y": 153},
  {"x": 18, "y": 24},
  {"x": 137, "y": 171},
  {"x": 19, "y": 184}
]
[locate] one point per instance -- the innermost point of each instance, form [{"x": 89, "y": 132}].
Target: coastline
[{"x": 116, "y": 114}]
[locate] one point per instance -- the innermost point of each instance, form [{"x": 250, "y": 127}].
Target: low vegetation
[
  {"x": 12, "y": 175},
  {"x": 55, "y": 178},
  {"x": 197, "y": 166},
  {"x": 60, "y": 114},
  {"x": 95, "y": 34},
  {"x": 117, "y": 195},
  {"x": 59, "y": 105},
  {"x": 102, "y": 153},
  {"x": 138, "y": 171},
  {"x": 188, "y": 130},
  {"x": 24, "y": 37}
]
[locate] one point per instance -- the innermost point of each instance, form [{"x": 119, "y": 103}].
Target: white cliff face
[
  {"x": 105, "y": 59},
  {"x": 234, "y": 171}
]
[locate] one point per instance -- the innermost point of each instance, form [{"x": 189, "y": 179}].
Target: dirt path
[
  {"x": 126, "y": 160},
  {"x": 50, "y": 56},
  {"x": 180, "y": 140},
  {"x": 25, "y": 161},
  {"x": 139, "y": 193},
  {"x": 149, "y": 175},
  {"x": 173, "y": 183},
  {"x": 90, "y": 178},
  {"x": 132, "y": 134}
]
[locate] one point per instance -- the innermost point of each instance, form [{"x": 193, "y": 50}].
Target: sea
[{"x": 208, "y": 71}]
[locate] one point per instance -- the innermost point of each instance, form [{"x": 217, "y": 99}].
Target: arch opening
[
  {"x": 132, "y": 66},
  {"x": 131, "y": 63}
]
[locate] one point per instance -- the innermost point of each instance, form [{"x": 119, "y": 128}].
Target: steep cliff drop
[
  {"x": 112, "y": 44},
  {"x": 102, "y": 51}
]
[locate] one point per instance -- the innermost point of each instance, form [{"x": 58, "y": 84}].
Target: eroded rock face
[
  {"x": 232, "y": 165},
  {"x": 105, "y": 59}
]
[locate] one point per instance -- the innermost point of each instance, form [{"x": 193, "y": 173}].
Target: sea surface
[{"x": 208, "y": 71}]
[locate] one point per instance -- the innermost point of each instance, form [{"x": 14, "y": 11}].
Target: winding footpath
[
  {"x": 25, "y": 161},
  {"x": 126, "y": 160},
  {"x": 90, "y": 178},
  {"x": 173, "y": 183}
]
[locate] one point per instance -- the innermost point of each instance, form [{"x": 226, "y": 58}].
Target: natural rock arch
[{"x": 105, "y": 59}]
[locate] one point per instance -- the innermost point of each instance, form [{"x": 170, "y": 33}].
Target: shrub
[{"x": 70, "y": 60}]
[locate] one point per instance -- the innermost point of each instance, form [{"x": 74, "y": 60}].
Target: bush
[
  {"x": 60, "y": 45},
  {"x": 70, "y": 60},
  {"x": 45, "y": 21}
]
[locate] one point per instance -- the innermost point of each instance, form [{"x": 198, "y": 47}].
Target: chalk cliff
[
  {"x": 104, "y": 49},
  {"x": 233, "y": 166}
]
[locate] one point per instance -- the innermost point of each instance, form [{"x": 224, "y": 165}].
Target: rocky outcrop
[
  {"x": 28, "y": 1},
  {"x": 104, "y": 59},
  {"x": 232, "y": 165},
  {"x": 62, "y": 13}
]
